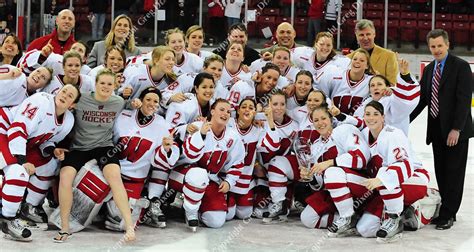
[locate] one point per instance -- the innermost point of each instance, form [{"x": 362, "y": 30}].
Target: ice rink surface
[{"x": 251, "y": 235}]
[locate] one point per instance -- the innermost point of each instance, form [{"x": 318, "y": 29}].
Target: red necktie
[{"x": 434, "y": 110}]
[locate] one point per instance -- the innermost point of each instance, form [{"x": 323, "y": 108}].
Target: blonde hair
[
  {"x": 281, "y": 48},
  {"x": 192, "y": 29},
  {"x": 105, "y": 71},
  {"x": 172, "y": 31},
  {"x": 327, "y": 35},
  {"x": 71, "y": 54},
  {"x": 369, "y": 70},
  {"x": 130, "y": 41},
  {"x": 157, "y": 53}
]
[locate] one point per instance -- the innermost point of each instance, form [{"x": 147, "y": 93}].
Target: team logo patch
[
  {"x": 101, "y": 107},
  {"x": 231, "y": 141}
]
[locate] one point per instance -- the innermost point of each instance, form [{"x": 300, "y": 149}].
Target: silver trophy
[{"x": 302, "y": 148}]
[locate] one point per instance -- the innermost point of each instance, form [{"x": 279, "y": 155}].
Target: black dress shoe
[{"x": 445, "y": 224}]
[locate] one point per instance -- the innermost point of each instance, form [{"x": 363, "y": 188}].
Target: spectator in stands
[
  {"x": 286, "y": 7},
  {"x": 238, "y": 33},
  {"x": 285, "y": 35},
  {"x": 232, "y": 11},
  {"x": 121, "y": 35},
  {"x": 383, "y": 61},
  {"x": 97, "y": 11},
  {"x": 315, "y": 15},
  {"x": 122, "y": 7},
  {"x": 187, "y": 10},
  {"x": 10, "y": 50},
  {"x": 61, "y": 38},
  {"x": 331, "y": 14},
  {"x": 216, "y": 19}
]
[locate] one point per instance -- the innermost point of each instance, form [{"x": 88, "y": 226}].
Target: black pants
[{"x": 450, "y": 168}]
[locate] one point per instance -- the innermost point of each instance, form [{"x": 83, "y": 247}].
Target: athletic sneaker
[
  {"x": 155, "y": 216},
  {"x": 15, "y": 230},
  {"x": 344, "y": 226},
  {"x": 391, "y": 229},
  {"x": 277, "y": 212},
  {"x": 33, "y": 213}
]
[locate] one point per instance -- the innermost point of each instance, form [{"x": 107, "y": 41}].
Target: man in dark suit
[
  {"x": 446, "y": 90},
  {"x": 238, "y": 33}
]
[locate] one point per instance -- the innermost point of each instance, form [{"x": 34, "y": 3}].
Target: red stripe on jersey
[
  {"x": 244, "y": 176},
  {"x": 11, "y": 198},
  {"x": 342, "y": 197},
  {"x": 20, "y": 125},
  {"x": 16, "y": 182},
  {"x": 194, "y": 189},
  {"x": 330, "y": 186},
  {"x": 45, "y": 178},
  {"x": 242, "y": 185},
  {"x": 424, "y": 172},
  {"x": 408, "y": 167},
  {"x": 319, "y": 222},
  {"x": 130, "y": 179},
  {"x": 406, "y": 97},
  {"x": 4, "y": 70},
  {"x": 392, "y": 195},
  {"x": 194, "y": 202},
  {"x": 234, "y": 172},
  {"x": 406, "y": 87},
  {"x": 15, "y": 135},
  {"x": 274, "y": 169},
  {"x": 192, "y": 147},
  {"x": 4, "y": 116},
  {"x": 355, "y": 154},
  {"x": 398, "y": 170},
  {"x": 277, "y": 184},
  {"x": 270, "y": 141},
  {"x": 158, "y": 181},
  {"x": 36, "y": 189}
]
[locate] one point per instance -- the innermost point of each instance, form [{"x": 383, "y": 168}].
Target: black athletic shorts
[{"x": 103, "y": 155}]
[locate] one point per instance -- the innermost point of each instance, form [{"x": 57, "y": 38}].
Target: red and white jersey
[
  {"x": 203, "y": 54},
  {"x": 346, "y": 94},
  {"x": 191, "y": 64},
  {"x": 141, "y": 144},
  {"x": 391, "y": 150},
  {"x": 85, "y": 84},
  {"x": 239, "y": 91},
  {"x": 278, "y": 142},
  {"x": 139, "y": 59},
  {"x": 346, "y": 145},
  {"x": 252, "y": 139},
  {"x": 32, "y": 60},
  {"x": 139, "y": 78},
  {"x": 35, "y": 125},
  {"x": 222, "y": 156},
  {"x": 181, "y": 114},
  {"x": 229, "y": 79},
  {"x": 185, "y": 84},
  {"x": 305, "y": 123},
  {"x": 285, "y": 79},
  {"x": 12, "y": 91},
  {"x": 93, "y": 73},
  {"x": 304, "y": 58},
  {"x": 292, "y": 103},
  {"x": 398, "y": 106}
]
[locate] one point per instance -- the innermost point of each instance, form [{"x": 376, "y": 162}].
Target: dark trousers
[{"x": 450, "y": 169}]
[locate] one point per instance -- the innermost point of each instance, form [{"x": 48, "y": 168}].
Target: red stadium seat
[
  {"x": 460, "y": 18},
  {"x": 281, "y": 19},
  {"x": 406, "y": 7},
  {"x": 424, "y": 26},
  {"x": 374, "y": 14},
  {"x": 252, "y": 29},
  {"x": 271, "y": 12},
  {"x": 301, "y": 27},
  {"x": 460, "y": 36},
  {"x": 408, "y": 15},
  {"x": 408, "y": 33},
  {"x": 253, "y": 3},
  {"x": 374, "y": 6},
  {"x": 447, "y": 26},
  {"x": 393, "y": 15},
  {"x": 424, "y": 16},
  {"x": 443, "y": 17},
  {"x": 392, "y": 30},
  {"x": 393, "y": 7},
  {"x": 265, "y": 21}
]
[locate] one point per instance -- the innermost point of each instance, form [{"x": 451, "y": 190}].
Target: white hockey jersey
[
  {"x": 32, "y": 60},
  {"x": 85, "y": 84},
  {"x": 278, "y": 142},
  {"x": 304, "y": 58},
  {"x": 139, "y": 78},
  {"x": 222, "y": 156},
  {"x": 203, "y": 54},
  {"x": 229, "y": 79},
  {"x": 345, "y": 94},
  {"x": 305, "y": 123},
  {"x": 185, "y": 84},
  {"x": 286, "y": 78},
  {"x": 346, "y": 145},
  {"x": 35, "y": 126},
  {"x": 392, "y": 151},
  {"x": 252, "y": 140},
  {"x": 398, "y": 106},
  {"x": 12, "y": 91},
  {"x": 141, "y": 144},
  {"x": 181, "y": 114},
  {"x": 239, "y": 91},
  {"x": 191, "y": 64},
  {"x": 139, "y": 59}
]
